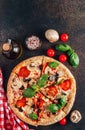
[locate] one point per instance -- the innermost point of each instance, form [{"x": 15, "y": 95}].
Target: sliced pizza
[{"x": 41, "y": 90}]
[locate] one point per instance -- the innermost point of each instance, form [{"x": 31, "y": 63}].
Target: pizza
[{"x": 41, "y": 90}]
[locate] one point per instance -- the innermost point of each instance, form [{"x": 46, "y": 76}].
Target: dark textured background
[{"x": 22, "y": 18}]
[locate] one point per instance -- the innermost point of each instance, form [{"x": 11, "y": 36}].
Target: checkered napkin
[{"x": 8, "y": 120}]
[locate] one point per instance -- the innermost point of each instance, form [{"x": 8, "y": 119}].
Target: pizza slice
[
  {"x": 60, "y": 82},
  {"x": 29, "y": 70}
]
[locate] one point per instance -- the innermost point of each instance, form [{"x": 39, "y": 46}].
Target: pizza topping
[
  {"x": 65, "y": 85},
  {"x": 24, "y": 72},
  {"x": 42, "y": 81},
  {"x": 26, "y": 80},
  {"x": 52, "y": 90},
  {"x": 20, "y": 103},
  {"x": 75, "y": 116},
  {"x": 53, "y": 64},
  {"x": 53, "y": 108},
  {"x": 41, "y": 102},
  {"x": 51, "y": 77},
  {"x": 29, "y": 92},
  {"x": 20, "y": 109},
  {"x": 62, "y": 101},
  {"x": 33, "y": 116},
  {"x": 22, "y": 87},
  {"x": 40, "y": 67}
]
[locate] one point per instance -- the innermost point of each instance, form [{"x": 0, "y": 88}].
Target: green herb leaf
[
  {"x": 35, "y": 87},
  {"x": 29, "y": 92},
  {"x": 42, "y": 81},
  {"x": 62, "y": 47},
  {"x": 74, "y": 60},
  {"x": 62, "y": 101},
  {"x": 53, "y": 108},
  {"x": 70, "y": 52},
  {"x": 53, "y": 64},
  {"x": 33, "y": 116}
]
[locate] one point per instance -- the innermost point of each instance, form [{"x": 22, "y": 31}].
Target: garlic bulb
[{"x": 52, "y": 35}]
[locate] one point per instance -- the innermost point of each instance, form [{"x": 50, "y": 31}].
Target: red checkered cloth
[{"x": 8, "y": 120}]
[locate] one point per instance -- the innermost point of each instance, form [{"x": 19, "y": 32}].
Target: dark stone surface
[{"x": 22, "y": 18}]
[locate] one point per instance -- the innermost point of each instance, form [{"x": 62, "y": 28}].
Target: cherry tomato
[
  {"x": 50, "y": 52},
  {"x": 21, "y": 102},
  {"x": 52, "y": 90},
  {"x": 65, "y": 85},
  {"x": 64, "y": 37},
  {"x": 41, "y": 102},
  {"x": 24, "y": 72},
  {"x": 62, "y": 58},
  {"x": 63, "y": 121}
]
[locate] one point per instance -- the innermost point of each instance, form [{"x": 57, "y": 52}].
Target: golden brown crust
[
  {"x": 54, "y": 118},
  {"x": 10, "y": 94}
]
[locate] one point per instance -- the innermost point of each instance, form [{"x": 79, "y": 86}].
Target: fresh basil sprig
[{"x": 73, "y": 57}]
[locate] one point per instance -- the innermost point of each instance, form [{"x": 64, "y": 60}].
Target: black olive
[
  {"x": 56, "y": 76},
  {"x": 40, "y": 67},
  {"x": 20, "y": 109},
  {"x": 32, "y": 106},
  {"x": 21, "y": 88},
  {"x": 53, "y": 113},
  {"x": 26, "y": 80}
]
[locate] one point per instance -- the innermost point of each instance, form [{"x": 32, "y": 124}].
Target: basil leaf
[
  {"x": 74, "y": 60},
  {"x": 29, "y": 92},
  {"x": 53, "y": 64},
  {"x": 53, "y": 108},
  {"x": 35, "y": 87},
  {"x": 33, "y": 116},
  {"x": 42, "y": 81},
  {"x": 70, "y": 52},
  {"x": 62, "y": 101},
  {"x": 62, "y": 47}
]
